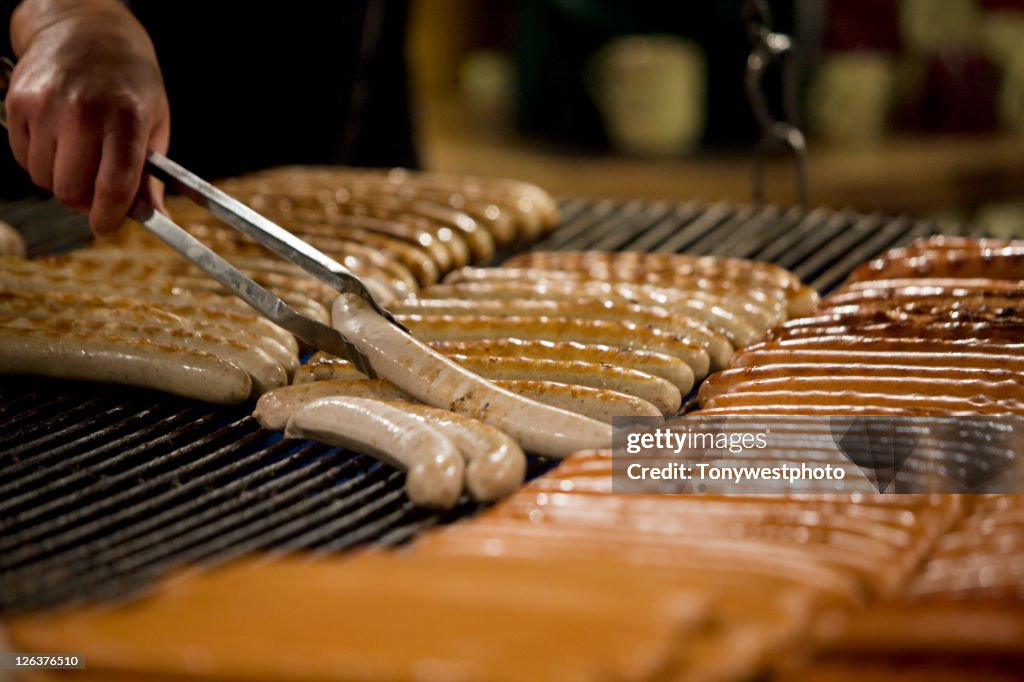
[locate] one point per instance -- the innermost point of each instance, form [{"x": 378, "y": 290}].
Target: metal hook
[{"x": 769, "y": 47}]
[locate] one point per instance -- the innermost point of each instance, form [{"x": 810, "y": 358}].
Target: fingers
[
  {"x": 75, "y": 164},
  {"x": 118, "y": 178}
]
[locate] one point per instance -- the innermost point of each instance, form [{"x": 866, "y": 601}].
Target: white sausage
[
  {"x": 434, "y": 468},
  {"x": 433, "y": 379},
  {"x": 495, "y": 464}
]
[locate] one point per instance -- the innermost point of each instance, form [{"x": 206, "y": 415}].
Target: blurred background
[{"x": 910, "y": 106}]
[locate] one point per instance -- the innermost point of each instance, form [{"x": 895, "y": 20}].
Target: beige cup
[{"x": 650, "y": 92}]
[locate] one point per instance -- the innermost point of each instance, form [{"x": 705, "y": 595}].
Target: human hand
[{"x": 85, "y": 103}]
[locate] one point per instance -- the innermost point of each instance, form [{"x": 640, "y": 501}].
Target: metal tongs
[{"x": 274, "y": 237}]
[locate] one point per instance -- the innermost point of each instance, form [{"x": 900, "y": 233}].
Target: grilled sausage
[
  {"x": 433, "y": 379},
  {"x": 717, "y": 346},
  {"x": 627, "y": 264},
  {"x": 997, "y": 384},
  {"x": 596, "y": 403},
  {"x": 770, "y": 305},
  {"x": 275, "y": 407},
  {"x": 894, "y": 356},
  {"x": 205, "y": 292},
  {"x": 604, "y": 332},
  {"x": 52, "y": 307},
  {"x": 434, "y": 468},
  {"x": 911, "y": 288},
  {"x": 721, "y": 319},
  {"x": 1005, "y": 262},
  {"x": 264, "y": 371},
  {"x": 110, "y": 359},
  {"x": 898, "y": 325},
  {"x": 495, "y": 465},
  {"x": 659, "y": 364},
  {"x": 969, "y": 397},
  {"x": 327, "y": 224},
  {"x": 655, "y": 390},
  {"x": 852, "y": 343}
]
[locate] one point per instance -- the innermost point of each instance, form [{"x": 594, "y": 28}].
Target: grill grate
[{"x": 104, "y": 489}]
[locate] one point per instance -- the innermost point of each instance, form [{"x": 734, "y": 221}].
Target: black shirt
[{"x": 259, "y": 84}]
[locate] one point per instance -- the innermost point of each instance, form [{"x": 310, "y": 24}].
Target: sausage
[
  {"x": 434, "y": 468},
  {"x": 655, "y": 390},
  {"x": 1006, "y": 262},
  {"x": 243, "y": 325},
  {"x": 433, "y": 379},
  {"x": 206, "y": 292},
  {"x": 759, "y": 307},
  {"x": 778, "y": 409},
  {"x": 768, "y": 299},
  {"x": 970, "y": 397},
  {"x": 717, "y": 318},
  {"x": 910, "y": 287},
  {"x": 328, "y": 223},
  {"x": 11, "y": 241},
  {"x": 963, "y": 308},
  {"x": 356, "y": 257},
  {"x": 134, "y": 266},
  {"x": 897, "y": 325},
  {"x": 412, "y": 269},
  {"x": 659, "y": 364},
  {"x": 73, "y": 355},
  {"x": 999, "y": 384},
  {"x": 595, "y": 403},
  {"x": 495, "y": 464},
  {"x": 858, "y": 343},
  {"x": 275, "y": 408},
  {"x": 628, "y": 264},
  {"x": 963, "y": 359},
  {"x": 264, "y": 371},
  {"x": 948, "y": 242},
  {"x": 604, "y": 332},
  {"x": 717, "y": 346}
]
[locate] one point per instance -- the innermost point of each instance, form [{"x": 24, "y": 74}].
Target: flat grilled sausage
[
  {"x": 434, "y": 468},
  {"x": 604, "y": 332},
  {"x": 495, "y": 464},
  {"x": 72, "y": 355},
  {"x": 433, "y": 379}
]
